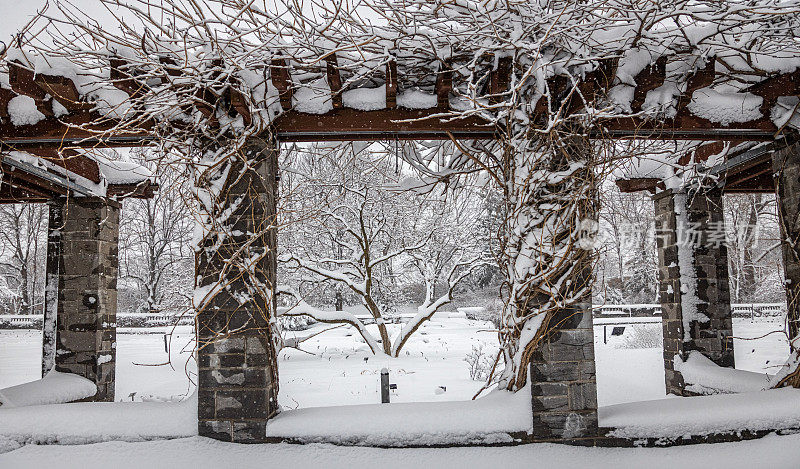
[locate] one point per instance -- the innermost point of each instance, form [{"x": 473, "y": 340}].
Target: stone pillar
[
  {"x": 786, "y": 167},
  {"x": 87, "y": 289},
  {"x": 562, "y": 377},
  {"x": 693, "y": 280},
  {"x": 236, "y": 271}
]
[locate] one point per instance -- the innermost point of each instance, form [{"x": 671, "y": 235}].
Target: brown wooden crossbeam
[
  {"x": 640, "y": 184},
  {"x": 349, "y": 124}
]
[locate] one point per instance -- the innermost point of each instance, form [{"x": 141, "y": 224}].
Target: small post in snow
[{"x": 384, "y": 386}]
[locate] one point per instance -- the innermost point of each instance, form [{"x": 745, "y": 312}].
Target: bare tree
[{"x": 23, "y": 230}]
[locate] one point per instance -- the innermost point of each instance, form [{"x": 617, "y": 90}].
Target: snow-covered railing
[
  {"x": 630, "y": 310},
  {"x": 737, "y": 309}
]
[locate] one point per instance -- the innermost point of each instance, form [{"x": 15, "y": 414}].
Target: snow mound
[
  {"x": 22, "y": 111},
  {"x": 54, "y": 388},
  {"x": 92, "y": 422},
  {"x": 120, "y": 171},
  {"x": 725, "y": 108},
  {"x": 705, "y": 377},
  {"x": 416, "y": 99},
  {"x": 365, "y": 99},
  {"x": 488, "y": 420},
  {"x": 676, "y": 417}
]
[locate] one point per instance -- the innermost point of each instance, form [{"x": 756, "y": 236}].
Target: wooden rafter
[
  {"x": 647, "y": 80},
  {"x": 23, "y": 82},
  {"x": 391, "y": 84},
  {"x": 279, "y": 70},
  {"x": 334, "y": 80},
  {"x": 500, "y": 79},
  {"x": 444, "y": 85}
]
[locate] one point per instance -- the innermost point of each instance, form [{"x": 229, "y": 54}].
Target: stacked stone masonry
[
  {"x": 562, "y": 377},
  {"x": 701, "y": 234},
  {"x": 786, "y": 167},
  {"x": 87, "y": 291}
]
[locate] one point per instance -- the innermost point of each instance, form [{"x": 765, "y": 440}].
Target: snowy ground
[
  {"x": 335, "y": 372},
  {"x": 629, "y": 368},
  {"x": 772, "y": 452}
]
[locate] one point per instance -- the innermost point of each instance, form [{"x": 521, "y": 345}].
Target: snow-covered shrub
[
  {"x": 643, "y": 337},
  {"x": 296, "y": 323},
  {"x": 480, "y": 364}
]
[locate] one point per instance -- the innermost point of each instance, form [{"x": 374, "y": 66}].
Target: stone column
[
  {"x": 87, "y": 289},
  {"x": 562, "y": 377},
  {"x": 693, "y": 280},
  {"x": 236, "y": 272},
  {"x": 786, "y": 167}
]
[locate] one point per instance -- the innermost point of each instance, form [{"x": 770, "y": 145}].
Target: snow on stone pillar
[
  {"x": 55, "y": 223},
  {"x": 693, "y": 281},
  {"x": 86, "y": 290},
  {"x": 236, "y": 268},
  {"x": 786, "y": 166}
]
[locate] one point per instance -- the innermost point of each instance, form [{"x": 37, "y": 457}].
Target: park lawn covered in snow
[
  {"x": 629, "y": 368},
  {"x": 337, "y": 368}
]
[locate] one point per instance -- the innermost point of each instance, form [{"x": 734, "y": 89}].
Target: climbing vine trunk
[
  {"x": 550, "y": 228},
  {"x": 236, "y": 268}
]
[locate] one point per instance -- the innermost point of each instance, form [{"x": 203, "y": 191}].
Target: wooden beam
[
  {"x": 205, "y": 101},
  {"x": 647, "y": 80},
  {"x": 444, "y": 85},
  {"x": 770, "y": 89},
  {"x": 500, "y": 79},
  {"x": 387, "y": 124},
  {"x": 63, "y": 90},
  {"x": 684, "y": 126},
  {"x": 640, "y": 184},
  {"x": 594, "y": 84},
  {"x": 701, "y": 153},
  {"x": 334, "y": 80},
  {"x": 239, "y": 103},
  {"x": 70, "y": 160},
  {"x": 143, "y": 190},
  {"x": 122, "y": 77},
  {"x": 279, "y": 71},
  {"x": 22, "y": 82},
  {"x": 391, "y": 84},
  {"x": 5, "y": 97}
]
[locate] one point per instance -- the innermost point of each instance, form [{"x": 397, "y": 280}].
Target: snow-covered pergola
[{"x": 228, "y": 109}]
